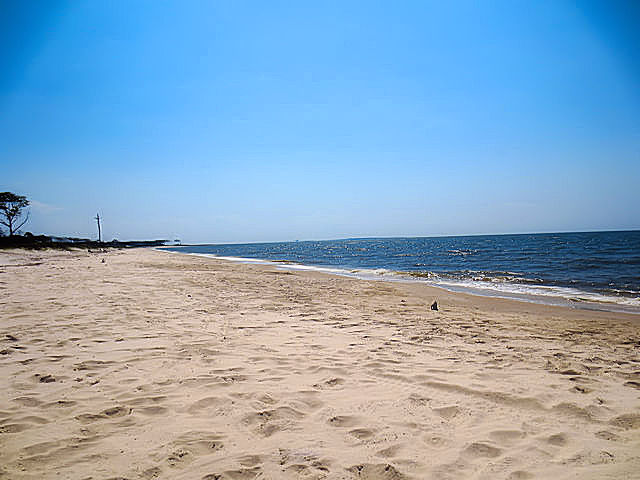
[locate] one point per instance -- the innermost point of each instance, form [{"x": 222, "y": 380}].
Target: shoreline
[
  {"x": 574, "y": 302},
  {"x": 138, "y": 364}
]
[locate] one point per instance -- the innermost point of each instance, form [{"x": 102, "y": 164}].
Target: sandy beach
[{"x": 143, "y": 364}]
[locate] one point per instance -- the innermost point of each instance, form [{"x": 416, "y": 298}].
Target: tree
[{"x": 12, "y": 208}]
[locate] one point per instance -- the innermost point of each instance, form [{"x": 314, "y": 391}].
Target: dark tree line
[{"x": 14, "y": 214}]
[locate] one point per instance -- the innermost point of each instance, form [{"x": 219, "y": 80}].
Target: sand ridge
[{"x": 158, "y": 365}]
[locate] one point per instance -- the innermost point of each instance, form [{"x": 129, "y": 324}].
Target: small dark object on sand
[
  {"x": 434, "y": 306},
  {"x": 47, "y": 379},
  {"x": 11, "y": 337},
  {"x": 103, "y": 260}
]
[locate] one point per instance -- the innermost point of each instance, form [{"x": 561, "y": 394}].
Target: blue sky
[{"x": 242, "y": 121}]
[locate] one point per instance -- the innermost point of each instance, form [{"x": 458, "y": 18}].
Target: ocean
[{"x": 592, "y": 270}]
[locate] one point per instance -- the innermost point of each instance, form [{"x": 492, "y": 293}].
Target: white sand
[{"x": 157, "y": 365}]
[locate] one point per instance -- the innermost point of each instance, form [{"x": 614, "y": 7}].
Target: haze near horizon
[{"x": 252, "y": 121}]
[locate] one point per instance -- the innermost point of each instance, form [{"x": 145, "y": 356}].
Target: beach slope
[{"x": 144, "y": 364}]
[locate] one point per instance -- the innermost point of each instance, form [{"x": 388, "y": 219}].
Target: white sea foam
[
  {"x": 546, "y": 294},
  {"x": 550, "y": 295},
  {"x": 278, "y": 264},
  {"x": 526, "y": 291},
  {"x": 237, "y": 259},
  {"x": 298, "y": 266}
]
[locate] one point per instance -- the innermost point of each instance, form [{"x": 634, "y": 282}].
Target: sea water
[{"x": 598, "y": 270}]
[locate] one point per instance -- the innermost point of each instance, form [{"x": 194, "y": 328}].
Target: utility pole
[{"x": 99, "y": 230}]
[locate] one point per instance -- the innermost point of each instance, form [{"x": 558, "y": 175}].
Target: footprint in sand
[
  {"x": 31, "y": 419},
  {"x": 250, "y": 460},
  {"x": 507, "y": 437},
  {"x": 448, "y": 412},
  {"x": 113, "y": 412},
  {"x": 204, "y": 404},
  {"x": 239, "y": 474},
  {"x": 520, "y": 475},
  {"x": 308, "y": 400},
  {"x": 44, "y": 378},
  {"x": 389, "y": 452},
  {"x": 143, "y": 400},
  {"x": 152, "y": 411},
  {"x": 436, "y": 440},
  {"x": 267, "y": 399},
  {"x": 418, "y": 400},
  {"x": 482, "y": 450},
  {"x": 151, "y": 473},
  {"x": 606, "y": 435},
  {"x": 558, "y": 439},
  {"x": 28, "y": 401},
  {"x": 40, "y": 448},
  {"x": 362, "y": 433},
  {"x": 343, "y": 421},
  {"x": 303, "y": 464},
  {"x": 268, "y": 422},
  {"x": 92, "y": 365},
  {"x": 185, "y": 449},
  {"x": 61, "y": 404},
  {"x": 316, "y": 471},
  {"x": 263, "y": 401},
  {"x": 580, "y": 389},
  {"x": 628, "y": 421},
  {"x": 329, "y": 383},
  {"x": 379, "y": 471},
  {"x": 201, "y": 443},
  {"x": 178, "y": 456},
  {"x": 44, "y": 454},
  {"x": 13, "y": 428}
]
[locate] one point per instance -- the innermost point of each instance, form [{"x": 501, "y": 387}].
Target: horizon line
[{"x": 413, "y": 236}]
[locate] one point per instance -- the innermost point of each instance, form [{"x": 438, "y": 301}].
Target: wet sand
[{"x": 159, "y": 365}]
